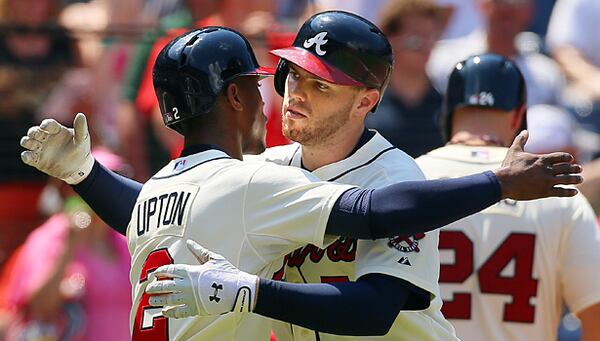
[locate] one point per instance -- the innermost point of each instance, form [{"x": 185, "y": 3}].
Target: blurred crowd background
[{"x": 64, "y": 275}]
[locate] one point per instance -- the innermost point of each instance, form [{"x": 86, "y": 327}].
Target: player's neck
[
  {"x": 225, "y": 139},
  {"x": 335, "y": 149},
  {"x": 481, "y": 140}
]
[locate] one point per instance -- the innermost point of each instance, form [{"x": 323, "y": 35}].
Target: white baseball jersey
[
  {"x": 506, "y": 272},
  {"x": 250, "y": 212},
  {"x": 414, "y": 258}
]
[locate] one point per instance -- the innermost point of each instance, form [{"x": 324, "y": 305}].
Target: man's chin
[{"x": 294, "y": 135}]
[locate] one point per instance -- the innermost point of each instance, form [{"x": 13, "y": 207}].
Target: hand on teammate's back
[
  {"x": 213, "y": 287},
  {"x": 526, "y": 176}
]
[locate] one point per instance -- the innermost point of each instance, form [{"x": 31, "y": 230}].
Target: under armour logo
[
  {"x": 318, "y": 40},
  {"x": 217, "y": 287}
]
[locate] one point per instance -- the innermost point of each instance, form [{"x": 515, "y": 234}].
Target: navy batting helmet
[
  {"x": 488, "y": 81},
  {"x": 340, "y": 47},
  {"x": 192, "y": 70}
]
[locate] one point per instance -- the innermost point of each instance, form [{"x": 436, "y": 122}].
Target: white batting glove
[
  {"x": 212, "y": 288},
  {"x": 58, "y": 151}
]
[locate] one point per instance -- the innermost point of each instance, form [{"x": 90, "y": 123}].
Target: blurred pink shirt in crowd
[{"x": 105, "y": 293}]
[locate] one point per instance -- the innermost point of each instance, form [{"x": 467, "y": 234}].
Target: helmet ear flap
[{"x": 281, "y": 74}]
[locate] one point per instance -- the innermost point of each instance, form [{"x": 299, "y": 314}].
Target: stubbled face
[
  {"x": 253, "y": 127},
  {"x": 315, "y": 110}
]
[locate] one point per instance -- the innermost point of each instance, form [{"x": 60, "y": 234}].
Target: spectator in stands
[
  {"x": 370, "y": 10},
  {"x": 542, "y": 9},
  {"x": 505, "y": 19},
  {"x": 93, "y": 86},
  {"x": 58, "y": 287},
  {"x": 573, "y": 41},
  {"x": 105, "y": 32},
  {"x": 408, "y": 113},
  {"x": 34, "y": 54}
]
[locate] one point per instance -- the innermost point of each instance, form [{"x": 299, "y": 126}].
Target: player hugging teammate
[{"x": 345, "y": 181}]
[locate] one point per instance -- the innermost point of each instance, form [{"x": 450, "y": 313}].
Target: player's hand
[
  {"x": 59, "y": 151},
  {"x": 212, "y": 288},
  {"x": 526, "y": 176}
]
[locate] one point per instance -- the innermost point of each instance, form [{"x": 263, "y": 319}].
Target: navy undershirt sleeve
[
  {"x": 368, "y": 306},
  {"x": 411, "y": 207},
  {"x": 110, "y": 195},
  {"x": 401, "y": 209}
]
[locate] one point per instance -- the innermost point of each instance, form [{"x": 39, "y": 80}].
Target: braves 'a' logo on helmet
[{"x": 318, "y": 40}]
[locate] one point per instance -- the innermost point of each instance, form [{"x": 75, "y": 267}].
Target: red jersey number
[
  {"x": 521, "y": 286},
  {"x": 149, "y": 324}
]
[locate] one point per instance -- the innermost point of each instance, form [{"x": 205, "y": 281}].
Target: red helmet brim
[{"x": 315, "y": 65}]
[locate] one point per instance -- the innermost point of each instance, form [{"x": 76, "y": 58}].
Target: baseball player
[
  {"x": 206, "y": 83},
  {"x": 333, "y": 143},
  {"x": 507, "y": 271}
]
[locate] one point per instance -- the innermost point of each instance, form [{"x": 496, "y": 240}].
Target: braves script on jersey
[
  {"x": 506, "y": 271},
  {"x": 233, "y": 208},
  {"x": 412, "y": 258}
]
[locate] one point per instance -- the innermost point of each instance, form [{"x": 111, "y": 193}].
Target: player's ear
[
  {"x": 367, "y": 98},
  {"x": 233, "y": 96}
]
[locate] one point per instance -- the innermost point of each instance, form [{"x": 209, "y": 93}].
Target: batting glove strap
[
  {"x": 226, "y": 289},
  {"x": 246, "y": 298},
  {"x": 82, "y": 172}
]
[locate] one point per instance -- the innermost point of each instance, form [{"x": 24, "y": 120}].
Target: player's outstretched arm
[
  {"x": 110, "y": 195},
  {"x": 414, "y": 207},
  {"x": 366, "y": 307},
  {"x": 421, "y": 206}
]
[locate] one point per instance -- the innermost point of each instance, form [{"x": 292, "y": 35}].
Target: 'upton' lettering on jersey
[{"x": 164, "y": 210}]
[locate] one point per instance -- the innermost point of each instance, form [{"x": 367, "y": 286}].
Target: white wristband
[
  {"x": 247, "y": 292},
  {"x": 82, "y": 172}
]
